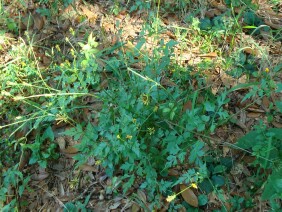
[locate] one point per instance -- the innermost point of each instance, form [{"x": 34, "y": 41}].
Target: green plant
[
  {"x": 30, "y": 105},
  {"x": 265, "y": 144},
  {"x": 142, "y": 130}
]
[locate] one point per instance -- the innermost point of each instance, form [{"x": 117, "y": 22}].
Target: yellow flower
[
  {"x": 151, "y": 130},
  {"x": 145, "y": 99},
  {"x": 98, "y": 162},
  {"x": 170, "y": 198},
  {"x": 118, "y": 136},
  {"x": 266, "y": 70},
  {"x": 72, "y": 52},
  {"x": 71, "y": 31},
  {"x": 194, "y": 185},
  {"x": 58, "y": 47}
]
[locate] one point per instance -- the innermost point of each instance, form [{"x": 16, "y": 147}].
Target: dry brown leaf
[
  {"x": 40, "y": 176},
  {"x": 69, "y": 150},
  {"x": 187, "y": 106},
  {"x": 189, "y": 196},
  {"x": 142, "y": 196},
  {"x": 219, "y": 6},
  {"x": 89, "y": 14},
  {"x": 170, "y": 35},
  {"x": 277, "y": 124},
  {"x": 24, "y": 159},
  {"x": 227, "y": 80},
  {"x": 273, "y": 25},
  {"x": 61, "y": 142},
  {"x": 251, "y": 51},
  {"x": 208, "y": 55},
  {"x": 46, "y": 60},
  {"x": 253, "y": 115},
  {"x": 265, "y": 103},
  {"x": 115, "y": 205},
  {"x": 26, "y": 22},
  {"x": 173, "y": 172},
  {"x": 165, "y": 81},
  {"x": 38, "y": 21},
  {"x": 135, "y": 208},
  {"x": 226, "y": 150},
  {"x": 88, "y": 168}
]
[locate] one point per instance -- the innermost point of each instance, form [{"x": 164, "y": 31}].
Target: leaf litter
[{"x": 54, "y": 186}]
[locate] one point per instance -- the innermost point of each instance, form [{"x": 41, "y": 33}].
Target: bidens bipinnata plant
[{"x": 142, "y": 129}]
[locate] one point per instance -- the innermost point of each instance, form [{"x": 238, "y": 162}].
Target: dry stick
[
  {"x": 56, "y": 198},
  {"x": 85, "y": 191}
]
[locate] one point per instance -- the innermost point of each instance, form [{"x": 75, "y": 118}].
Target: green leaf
[
  {"x": 202, "y": 199},
  {"x": 48, "y": 134},
  {"x": 279, "y": 87},
  {"x": 248, "y": 140},
  {"x": 219, "y": 169},
  {"x": 279, "y": 105},
  {"x": 196, "y": 152},
  {"x": 218, "y": 180},
  {"x": 206, "y": 186},
  {"x": 166, "y": 110},
  {"x": 273, "y": 187},
  {"x": 277, "y": 67},
  {"x": 209, "y": 107},
  {"x": 205, "y": 24}
]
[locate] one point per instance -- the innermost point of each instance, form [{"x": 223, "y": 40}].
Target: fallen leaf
[
  {"x": 277, "y": 124},
  {"x": 135, "y": 208},
  {"x": 170, "y": 35},
  {"x": 265, "y": 103},
  {"x": 61, "y": 142},
  {"x": 24, "y": 159},
  {"x": 69, "y": 150},
  {"x": 251, "y": 51},
  {"x": 85, "y": 167},
  {"x": 226, "y": 150},
  {"x": 142, "y": 195},
  {"x": 40, "y": 176},
  {"x": 187, "y": 106},
  {"x": 89, "y": 14},
  {"x": 115, "y": 205},
  {"x": 253, "y": 115},
  {"x": 173, "y": 172},
  {"x": 189, "y": 196},
  {"x": 167, "y": 82},
  {"x": 38, "y": 21},
  {"x": 208, "y": 55}
]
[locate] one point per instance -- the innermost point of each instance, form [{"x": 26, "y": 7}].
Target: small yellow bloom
[
  {"x": 58, "y": 47},
  {"x": 145, "y": 99},
  {"x": 72, "y": 52},
  {"x": 170, "y": 198},
  {"x": 151, "y": 130},
  {"x": 266, "y": 70},
  {"x": 128, "y": 137},
  {"x": 118, "y": 136},
  {"x": 98, "y": 162},
  {"x": 71, "y": 31},
  {"x": 67, "y": 39},
  {"x": 194, "y": 185}
]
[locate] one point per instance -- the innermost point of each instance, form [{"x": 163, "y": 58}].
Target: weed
[{"x": 143, "y": 129}]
